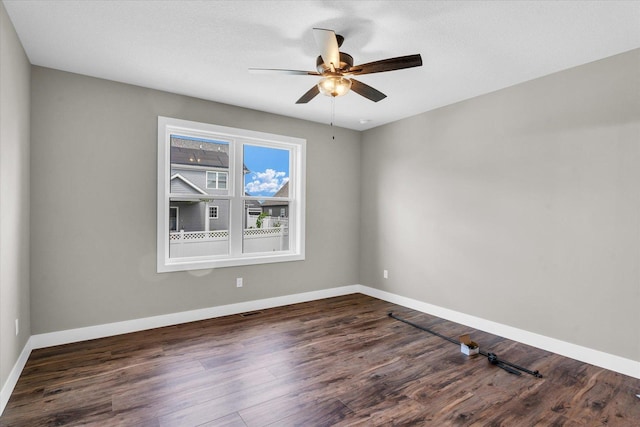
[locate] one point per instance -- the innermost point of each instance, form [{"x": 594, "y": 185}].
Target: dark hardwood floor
[{"x": 336, "y": 362}]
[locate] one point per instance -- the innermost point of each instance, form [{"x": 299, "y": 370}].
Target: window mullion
[{"x": 237, "y": 201}]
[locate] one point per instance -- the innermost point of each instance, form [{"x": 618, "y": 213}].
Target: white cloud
[{"x": 266, "y": 183}]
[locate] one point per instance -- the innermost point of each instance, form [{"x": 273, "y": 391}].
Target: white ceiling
[{"x": 204, "y": 48}]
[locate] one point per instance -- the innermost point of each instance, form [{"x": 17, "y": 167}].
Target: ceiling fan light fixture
[{"x": 334, "y": 85}]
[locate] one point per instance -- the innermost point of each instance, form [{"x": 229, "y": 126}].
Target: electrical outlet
[
  {"x": 385, "y": 274},
  {"x": 239, "y": 282},
  {"x": 17, "y": 327}
]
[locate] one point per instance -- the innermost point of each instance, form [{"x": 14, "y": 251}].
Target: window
[
  {"x": 218, "y": 188},
  {"x": 216, "y": 180},
  {"x": 213, "y": 212}
]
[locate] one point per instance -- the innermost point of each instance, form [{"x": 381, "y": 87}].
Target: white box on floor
[{"x": 467, "y": 346}]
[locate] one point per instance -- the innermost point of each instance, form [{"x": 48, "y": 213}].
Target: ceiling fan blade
[
  {"x": 279, "y": 71},
  {"x": 390, "y": 64},
  {"x": 311, "y": 93},
  {"x": 328, "y": 45},
  {"x": 367, "y": 91}
]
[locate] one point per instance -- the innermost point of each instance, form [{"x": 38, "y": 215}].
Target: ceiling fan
[{"x": 337, "y": 70}]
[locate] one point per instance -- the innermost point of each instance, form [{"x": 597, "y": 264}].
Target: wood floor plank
[
  {"x": 291, "y": 410},
  {"x": 191, "y": 391},
  {"x": 204, "y": 410},
  {"x": 231, "y": 420},
  {"x": 320, "y": 413},
  {"x": 339, "y": 361}
]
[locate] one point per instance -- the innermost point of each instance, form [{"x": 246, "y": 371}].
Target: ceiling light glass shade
[{"x": 334, "y": 85}]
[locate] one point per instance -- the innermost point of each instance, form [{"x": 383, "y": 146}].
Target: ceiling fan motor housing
[{"x": 346, "y": 62}]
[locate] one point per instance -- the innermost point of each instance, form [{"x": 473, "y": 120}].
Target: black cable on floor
[{"x": 512, "y": 368}]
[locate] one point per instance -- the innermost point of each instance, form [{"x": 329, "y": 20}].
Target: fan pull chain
[{"x": 333, "y": 114}]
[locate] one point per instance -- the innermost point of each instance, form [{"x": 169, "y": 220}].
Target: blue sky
[{"x": 269, "y": 170}]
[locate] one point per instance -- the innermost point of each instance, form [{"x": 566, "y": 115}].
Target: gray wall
[
  {"x": 520, "y": 206},
  {"x": 93, "y": 257},
  {"x": 14, "y": 196}
]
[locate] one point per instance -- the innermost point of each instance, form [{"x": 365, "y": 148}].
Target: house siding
[
  {"x": 198, "y": 177},
  {"x": 178, "y": 186},
  {"x": 222, "y": 222}
]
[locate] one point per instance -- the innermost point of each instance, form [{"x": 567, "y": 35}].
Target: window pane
[
  {"x": 212, "y": 182},
  {"x": 222, "y": 180},
  {"x": 265, "y": 232},
  {"x": 197, "y": 165},
  {"x": 198, "y": 232},
  {"x": 266, "y": 171}
]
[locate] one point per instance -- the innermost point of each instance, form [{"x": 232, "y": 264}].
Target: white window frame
[
  {"x": 209, "y": 213},
  {"x": 235, "y": 187}
]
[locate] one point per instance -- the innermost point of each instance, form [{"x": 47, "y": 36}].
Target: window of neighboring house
[
  {"x": 250, "y": 169},
  {"x": 216, "y": 180},
  {"x": 213, "y": 212}
]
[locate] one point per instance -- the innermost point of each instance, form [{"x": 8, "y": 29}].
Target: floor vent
[{"x": 250, "y": 313}]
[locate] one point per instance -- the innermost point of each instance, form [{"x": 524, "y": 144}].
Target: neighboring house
[
  {"x": 198, "y": 168},
  {"x": 277, "y": 208}
]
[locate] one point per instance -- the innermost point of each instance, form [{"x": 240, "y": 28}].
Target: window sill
[{"x": 190, "y": 264}]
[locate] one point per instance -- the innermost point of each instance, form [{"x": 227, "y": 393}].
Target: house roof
[
  {"x": 282, "y": 192},
  {"x": 199, "y": 153},
  {"x": 249, "y": 203}
]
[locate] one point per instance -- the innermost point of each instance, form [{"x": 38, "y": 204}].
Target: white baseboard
[
  {"x": 598, "y": 358},
  {"x": 100, "y": 331},
  {"x": 12, "y": 380},
  {"x": 584, "y": 354}
]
